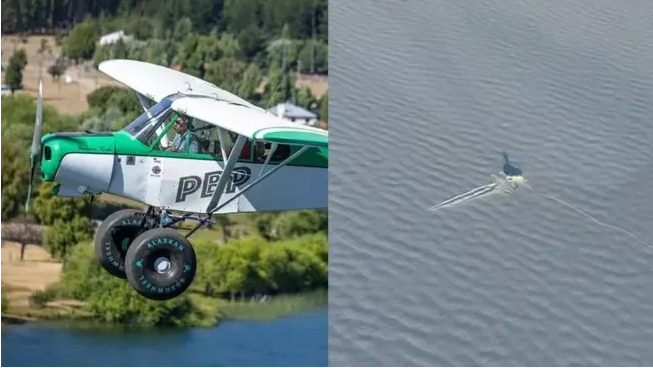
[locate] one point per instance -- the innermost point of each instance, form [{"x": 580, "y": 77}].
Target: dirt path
[
  {"x": 21, "y": 279},
  {"x": 67, "y": 98}
]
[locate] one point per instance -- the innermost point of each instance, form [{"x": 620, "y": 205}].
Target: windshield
[
  {"x": 148, "y": 121},
  {"x": 144, "y": 120}
]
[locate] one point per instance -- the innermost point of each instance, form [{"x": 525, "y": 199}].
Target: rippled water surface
[
  {"x": 424, "y": 96},
  {"x": 299, "y": 340}
]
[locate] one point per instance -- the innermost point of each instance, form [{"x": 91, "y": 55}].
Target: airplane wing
[
  {"x": 156, "y": 82},
  {"x": 255, "y": 124}
]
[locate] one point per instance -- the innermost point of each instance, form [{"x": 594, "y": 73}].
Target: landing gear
[
  {"x": 114, "y": 236},
  {"x": 160, "y": 264},
  {"x": 157, "y": 260}
]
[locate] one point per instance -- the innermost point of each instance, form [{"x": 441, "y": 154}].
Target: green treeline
[
  {"x": 227, "y": 273},
  {"x": 189, "y": 33},
  {"x": 153, "y": 18}
]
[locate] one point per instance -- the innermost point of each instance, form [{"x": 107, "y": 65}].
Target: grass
[{"x": 278, "y": 306}]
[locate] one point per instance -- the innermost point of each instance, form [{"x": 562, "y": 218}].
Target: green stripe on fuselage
[{"x": 123, "y": 143}]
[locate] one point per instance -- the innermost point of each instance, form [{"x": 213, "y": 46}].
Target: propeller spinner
[{"x": 36, "y": 142}]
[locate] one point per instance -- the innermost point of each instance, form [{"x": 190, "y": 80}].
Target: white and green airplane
[{"x": 197, "y": 150}]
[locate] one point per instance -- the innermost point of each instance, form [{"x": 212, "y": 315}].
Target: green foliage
[
  {"x": 15, "y": 172},
  {"x": 112, "y": 119},
  {"x": 303, "y": 97},
  {"x": 113, "y": 108},
  {"x": 317, "y": 52},
  {"x": 250, "y": 81},
  {"x": 112, "y": 300},
  {"x": 277, "y": 306},
  {"x": 99, "y": 98},
  {"x": 41, "y": 297},
  {"x": 251, "y": 31},
  {"x": 280, "y": 86},
  {"x": 251, "y": 41},
  {"x": 106, "y": 96},
  {"x": 262, "y": 222},
  {"x": 5, "y": 303},
  {"x": 56, "y": 70},
  {"x": 48, "y": 208},
  {"x": 251, "y": 265},
  {"x": 14, "y": 73},
  {"x": 324, "y": 111},
  {"x": 296, "y": 223},
  {"x": 289, "y": 224},
  {"x": 80, "y": 44},
  {"x": 226, "y": 73},
  {"x": 19, "y": 115},
  {"x": 62, "y": 235},
  {"x": 154, "y": 18},
  {"x": 67, "y": 220}
]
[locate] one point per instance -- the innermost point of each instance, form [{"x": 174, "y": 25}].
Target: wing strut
[
  {"x": 223, "y": 140},
  {"x": 226, "y": 172},
  {"x": 144, "y": 104},
  {"x": 267, "y": 159},
  {"x": 258, "y": 180}
]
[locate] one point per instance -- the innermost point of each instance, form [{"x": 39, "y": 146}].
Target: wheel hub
[{"x": 162, "y": 265}]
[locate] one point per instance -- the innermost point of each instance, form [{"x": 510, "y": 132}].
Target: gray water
[
  {"x": 424, "y": 96},
  {"x": 299, "y": 340}
]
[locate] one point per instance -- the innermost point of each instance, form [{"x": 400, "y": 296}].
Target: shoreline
[{"x": 279, "y": 307}]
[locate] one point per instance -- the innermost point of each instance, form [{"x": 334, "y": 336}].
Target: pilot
[{"x": 184, "y": 137}]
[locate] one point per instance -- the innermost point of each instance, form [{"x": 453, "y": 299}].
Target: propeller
[{"x": 35, "y": 151}]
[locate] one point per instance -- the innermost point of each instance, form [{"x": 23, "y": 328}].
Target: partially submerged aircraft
[
  {"x": 221, "y": 161},
  {"x": 507, "y": 180}
]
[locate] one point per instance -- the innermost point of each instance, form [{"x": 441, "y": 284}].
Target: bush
[
  {"x": 109, "y": 299},
  {"x": 41, "y": 298},
  {"x": 252, "y": 265},
  {"x": 5, "y": 303}
]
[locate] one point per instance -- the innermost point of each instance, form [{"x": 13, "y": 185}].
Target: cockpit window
[{"x": 147, "y": 122}]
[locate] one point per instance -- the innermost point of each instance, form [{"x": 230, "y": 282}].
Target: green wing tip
[{"x": 295, "y": 137}]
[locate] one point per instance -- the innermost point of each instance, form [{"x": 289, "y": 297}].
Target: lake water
[
  {"x": 424, "y": 96},
  {"x": 299, "y": 340}
]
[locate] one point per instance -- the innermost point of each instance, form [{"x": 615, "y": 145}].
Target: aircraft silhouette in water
[{"x": 508, "y": 169}]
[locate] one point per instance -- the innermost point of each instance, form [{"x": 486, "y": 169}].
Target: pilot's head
[{"x": 181, "y": 125}]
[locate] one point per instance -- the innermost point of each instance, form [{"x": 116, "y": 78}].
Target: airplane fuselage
[{"x": 116, "y": 163}]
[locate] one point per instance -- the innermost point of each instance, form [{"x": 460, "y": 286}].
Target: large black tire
[
  {"x": 113, "y": 237},
  {"x": 141, "y": 263}
]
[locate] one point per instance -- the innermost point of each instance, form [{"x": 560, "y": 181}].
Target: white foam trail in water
[
  {"x": 588, "y": 215},
  {"x": 473, "y": 194}
]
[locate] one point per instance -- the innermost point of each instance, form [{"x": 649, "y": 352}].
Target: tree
[
  {"x": 60, "y": 237},
  {"x": 55, "y": 71},
  {"x": 80, "y": 44},
  {"x": 49, "y": 208},
  {"x": 5, "y": 303},
  {"x": 14, "y": 73},
  {"x": 250, "y": 40},
  {"x": 15, "y": 172},
  {"x": 324, "y": 108},
  {"x": 292, "y": 224},
  {"x": 226, "y": 73},
  {"x": 250, "y": 82},
  {"x": 22, "y": 233},
  {"x": 303, "y": 97},
  {"x": 279, "y": 87}
]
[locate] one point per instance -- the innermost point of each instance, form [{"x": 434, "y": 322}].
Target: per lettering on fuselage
[{"x": 191, "y": 184}]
